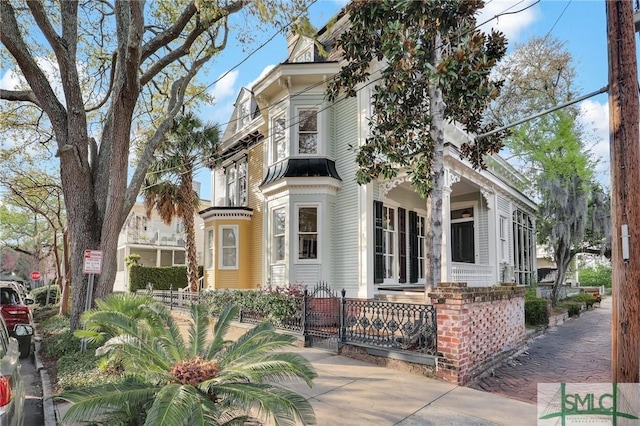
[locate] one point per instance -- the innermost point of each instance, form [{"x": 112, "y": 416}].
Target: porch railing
[{"x": 472, "y": 274}]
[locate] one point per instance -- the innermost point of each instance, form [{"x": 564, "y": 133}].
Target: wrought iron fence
[
  {"x": 293, "y": 322},
  {"x": 390, "y": 325}
]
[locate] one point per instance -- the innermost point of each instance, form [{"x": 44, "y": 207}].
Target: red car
[{"x": 16, "y": 311}]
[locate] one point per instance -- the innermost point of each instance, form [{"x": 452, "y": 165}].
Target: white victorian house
[{"x": 286, "y": 207}]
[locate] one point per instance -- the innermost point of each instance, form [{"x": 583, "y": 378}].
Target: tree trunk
[
  {"x": 65, "y": 277},
  {"x": 186, "y": 186},
  {"x": 434, "y": 204}
]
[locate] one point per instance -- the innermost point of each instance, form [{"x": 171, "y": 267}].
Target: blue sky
[{"x": 580, "y": 24}]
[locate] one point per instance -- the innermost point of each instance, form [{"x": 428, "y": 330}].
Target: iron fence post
[
  {"x": 343, "y": 317},
  {"x": 171, "y": 297},
  {"x": 305, "y": 325}
]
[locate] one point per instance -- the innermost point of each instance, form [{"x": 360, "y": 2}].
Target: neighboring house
[
  {"x": 156, "y": 243},
  {"x": 286, "y": 207}
]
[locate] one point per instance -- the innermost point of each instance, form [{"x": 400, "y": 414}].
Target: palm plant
[
  {"x": 169, "y": 181},
  {"x": 192, "y": 380}
]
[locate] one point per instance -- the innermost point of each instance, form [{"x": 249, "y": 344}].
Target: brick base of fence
[{"x": 477, "y": 326}]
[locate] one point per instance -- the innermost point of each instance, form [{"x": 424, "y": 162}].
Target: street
[{"x": 33, "y": 390}]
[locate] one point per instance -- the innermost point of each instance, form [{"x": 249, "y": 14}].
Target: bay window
[
  {"x": 228, "y": 241},
  {"x": 279, "y": 140},
  {"x": 236, "y": 175},
  {"x": 308, "y": 131},
  {"x": 278, "y": 229},
  {"x": 307, "y": 233}
]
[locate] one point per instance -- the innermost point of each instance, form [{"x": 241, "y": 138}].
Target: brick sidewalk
[{"x": 577, "y": 351}]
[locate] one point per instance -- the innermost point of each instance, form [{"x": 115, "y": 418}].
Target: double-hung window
[
  {"x": 245, "y": 114},
  {"x": 389, "y": 241},
  {"x": 504, "y": 231},
  {"x": 421, "y": 246},
  {"x": 307, "y": 233},
  {"x": 210, "y": 249},
  {"x": 308, "y": 131},
  {"x": 278, "y": 241},
  {"x": 279, "y": 139},
  {"x": 236, "y": 175},
  {"x": 228, "y": 241}
]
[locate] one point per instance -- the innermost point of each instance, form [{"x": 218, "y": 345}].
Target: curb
[{"x": 48, "y": 410}]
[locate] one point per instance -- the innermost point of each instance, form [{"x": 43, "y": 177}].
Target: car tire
[{"x": 25, "y": 347}]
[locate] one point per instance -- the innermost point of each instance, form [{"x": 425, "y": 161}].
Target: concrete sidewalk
[{"x": 352, "y": 392}]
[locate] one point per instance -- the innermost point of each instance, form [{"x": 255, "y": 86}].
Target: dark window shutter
[
  {"x": 402, "y": 242},
  {"x": 378, "y": 254},
  {"x": 413, "y": 247}
]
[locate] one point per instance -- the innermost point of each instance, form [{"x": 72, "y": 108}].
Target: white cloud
[
  {"x": 266, "y": 70},
  {"x": 9, "y": 80},
  {"x": 225, "y": 87},
  {"x": 594, "y": 118},
  {"x": 513, "y": 23}
]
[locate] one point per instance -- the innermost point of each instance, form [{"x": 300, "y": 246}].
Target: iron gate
[{"x": 322, "y": 317}]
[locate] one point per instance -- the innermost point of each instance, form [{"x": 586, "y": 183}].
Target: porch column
[
  {"x": 449, "y": 179},
  {"x": 492, "y": 229}
]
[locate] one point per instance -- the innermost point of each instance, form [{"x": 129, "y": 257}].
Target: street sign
[
  {"x": 92, "y": 262},
  {"x": 35, "y": 275}
]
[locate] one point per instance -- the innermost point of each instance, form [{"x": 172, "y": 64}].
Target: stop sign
[{"x": 35, "y": 275}]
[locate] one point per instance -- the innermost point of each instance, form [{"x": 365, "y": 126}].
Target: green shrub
[
  {"x": 56, "y": 324},
  {"x": 77, "y": 369},
  {"x": 583, "y": 298},
  {"x": 595, "y": 277},
  {"x": 275, "y": 304},
  {"x": 40, "y": 295},
  {"x": 535, "y": 311},
  {"x": 161, "y": 278},
  {"x": 573, "y": 308}
]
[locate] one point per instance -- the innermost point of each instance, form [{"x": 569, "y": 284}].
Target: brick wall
[{"x": 477, "y": 326}]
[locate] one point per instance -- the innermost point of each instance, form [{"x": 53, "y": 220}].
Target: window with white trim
[
  {"x": 422, "y": 245},
  {"x": 245, "y": 113},
  {"x": 308, "y": 131},
  {"x": 389, "y": 241},
  {"x": 307, "y": 233},
  {"x": 236, "y": 175},
  {"x": 463, "y": 246},
  {"x": 279, "y": 144},
  {"x": 228, "y": 242},
  {"x": 210, "y": 249},
  {"x": 278, "y": 226},
  {"x": 504, "y": 231}
]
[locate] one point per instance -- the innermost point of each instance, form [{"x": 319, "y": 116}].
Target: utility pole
[{"x": 625, "y": 191}]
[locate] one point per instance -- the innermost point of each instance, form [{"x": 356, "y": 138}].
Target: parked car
[
  {"x": 12, "y": 390},
  {"x": 15, "y": 311}
]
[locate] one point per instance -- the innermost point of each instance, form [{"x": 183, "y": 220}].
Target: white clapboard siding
[{"x": 345, "y": 222}]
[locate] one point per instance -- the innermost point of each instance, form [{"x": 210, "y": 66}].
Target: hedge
[
  {"x": 161, "y": 278},
  {"x": 535, "y": 311},
  {"x": 40, "y": 294}
]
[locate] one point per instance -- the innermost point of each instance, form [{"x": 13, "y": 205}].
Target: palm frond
[
  {"x": 275, "y": 367},
  {"x": 221, "y": 329},
  {"x": 257, "y": 341},
  {"x": 177, "y": 404},
  {"x": 283, "y": 406},
  {"x": 88, "y": 404},
  {"x": 198, "y": 330}
]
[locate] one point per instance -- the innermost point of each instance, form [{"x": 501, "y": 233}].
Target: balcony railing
[{"x": 156, "y": 238}]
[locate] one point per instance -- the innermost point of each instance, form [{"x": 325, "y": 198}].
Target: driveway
[{"x": 578, "y": 351}]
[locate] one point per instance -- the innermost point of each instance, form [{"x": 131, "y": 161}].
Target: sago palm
[
  {"x": 192, "y": 380},
  {"x": 169, "y": 182}
]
